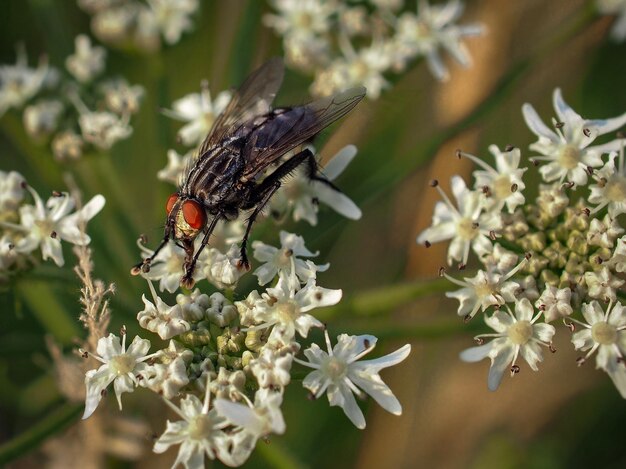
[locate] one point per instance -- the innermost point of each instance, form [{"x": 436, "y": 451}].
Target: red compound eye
[
  {"x": 170, "y": 202},
  {"x": 194, "y": 214}
]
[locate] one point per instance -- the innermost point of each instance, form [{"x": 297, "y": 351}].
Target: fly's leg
[
  {"x": 314, "y": 175},
  {"x": 187, "y": 280},
  {"x": 262, "y": 193},
  {"x": 144, "y": 265}
]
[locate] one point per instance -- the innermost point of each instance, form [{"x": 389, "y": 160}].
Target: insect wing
[
  {"x": 253, "y": 98},
  {"x": 296, "y": 126}
]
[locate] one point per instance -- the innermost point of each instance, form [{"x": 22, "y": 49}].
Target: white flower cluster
[
  {"x": 298, "y": 195},
  {"x": 238, "y": 356},
  {"x": 52, "y": 116},
  {"x": 26, "y": 228},
  {"x": 571, "y": 239},
  {"x": 345, "y": 44},
  {"x": 140, "y": 25}
]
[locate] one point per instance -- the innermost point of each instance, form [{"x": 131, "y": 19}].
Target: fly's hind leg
[{"x": 263, "y": 192}]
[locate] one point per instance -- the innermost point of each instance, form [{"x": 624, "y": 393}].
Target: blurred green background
[{"x": 562, "y": 416}]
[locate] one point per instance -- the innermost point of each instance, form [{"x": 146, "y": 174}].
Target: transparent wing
[
  {"x": 253, "y": 98},
  {"x": 295, "y": 126}
]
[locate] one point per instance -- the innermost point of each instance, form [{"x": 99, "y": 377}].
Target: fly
[{"x": 227, "y": 173}]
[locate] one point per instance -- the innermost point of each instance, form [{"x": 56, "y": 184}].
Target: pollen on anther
[
  {"x": 427, "y": 244},
  {"x": 514, "y": 370},
  {"x": 53, "y": 235},
  {"x": 551, "y": 348},
  {"x": 458, "y": 153},
  {"x": 56, "y": 194},
  {"x": 587, "y": 132},
  {"x": 559, "y": 125},
  {"x": 514, "y": 187},
  {"x": 433, "y": 183},
  {"x": 442, "y": 271},
  {"x": 509, "y": 147},
  {"x": 580, "y": 361}
]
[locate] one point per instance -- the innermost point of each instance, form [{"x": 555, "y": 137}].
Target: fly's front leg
[
  {"x": 262, "y": 193},
  {"x": 187, "y": 280},
  {"x": 314, "y": 175},
  {"x": 144, "y": 265}
]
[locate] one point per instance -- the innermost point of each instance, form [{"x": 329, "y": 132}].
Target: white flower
[
  {"x": 618, "y": 259},
  {"x": 11, "y": 191},
  {"x": 19, "y": 83},
  {"x": 340, "y": 374},
  {"x": 615, "y": 7},
  {"x": 176, "y": 165},
  {"x": 47, "y": 225},
  {"x": 504, "y": 184},
  {"x": 259, "y": 420},
  {"x": 271, "y": 368},
  {"x": 103, "y": 129},
  {"x": 285, "y": 261},
  {"x": 41, "y": 119},
  {"x": 87, "y": 62},
  {"x": 287, "y": 310},
  {"x": 120, "y": 366},
  {"x": 166, "y": 379},
  {"x": 223, "y": 270},
  {"x": 120, "y": 97},
  {"x": 555, "y": 303},
  {"x": 602, "y": 285},
  {"x": 228, "y": 384},
  {"x": 304, "y": 19},
  {"x": 169, "y": 321},
  {"x": 467, "y": 226},
  {"x": 486, "y": 289},
  {"x": 566, "y": 149},
  {"x": 610, "y": 187},
  {"x": 172, "y": 17},
  {"x": 604, "y": 332},
  {"x": 515, "y": 334},
  {"x": 199, "y": 433},
  {"x": 67, "y": 145},
  {"x": 431, "y": 30},
  {"x": 302, "y": 194},
  {"x": 199, "y": 111}
]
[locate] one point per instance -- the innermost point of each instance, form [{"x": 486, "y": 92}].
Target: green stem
[
  {"x": 277, "y": 456},
  {"x": 36, "y": 434},
  {"x": 385, "y": 299}
]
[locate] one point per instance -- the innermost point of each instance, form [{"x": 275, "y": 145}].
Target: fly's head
[{"x": 186, "y": 218}]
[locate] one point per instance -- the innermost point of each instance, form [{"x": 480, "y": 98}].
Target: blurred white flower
[
  {"x": 303, "y": 19},
  {"x": 515, "y": 335},
  {"x": 67, "y": 145},
  {"x": 555, "y": 303},
  {"x": 176, "y": 165},
  {"x": 566, "y": 149},
  {"x": 103, "y": 129},
  {"x": 41, "y": 119},
  {"x": 432, "y": 29},
  {"x": 199, "y": 111},
  {"x": 19, "y": 83},
  {"x": 272, "y": 369},
  {"x": 341, "y": 373},
  {"x": 87, "y": 62},
  {"x": 120, "y": 97},
  {"x": 173, "y": 17},
  {"x": 120, "y": 366},
  {"x": 604, "y": 332},
  {"x": 12, "y": 191}
]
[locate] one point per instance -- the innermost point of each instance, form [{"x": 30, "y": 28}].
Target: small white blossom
[
  {"x": 467, "y": 226},
  {"x": 11, "y": 191},
  {"x": 604, "y": 332},
  {"x": 566, "y": 149},
  {"x": 199, "y": 111},
  {"x": 228, "y": 384},
  {"x": 515, "y": 335},
  {"x": 87, "y": 62},
  {"x": 432, "y": 29},
  {"x": 484, "y": 290},
  {"x": 610, "y": 187},
  {"x": 341, "y": 373},
  {"x": 604, "y": 232},
  {"x": 166, "y": 379},
  {"x": 302, "y": 195},
  {"x": 67, "y": 145},
  {"x": 602, "y": 285},
  {"x": 287, "y": 310},
  {"x": 618, "y": 259},
  {"x": 502, "y": 185},
  {"x": 120, "y": 366},
  {"x": 199, "y": 433},
  {"x": 46, "y": 225},
  {"x": 176, "y": 165},
  {"x": 19, "y": 83},
  {"x": 103, "y": 129},
  {"x": 285, "y": 262},
  {"x": 272, "y": 369},
  {"x": 555, "y": 303},
  {"x": 120, "y": 97},
  {"x": 615, "y": 7},
  {"x": 165, "y": 320},
  {"x": 259, "y": 420},
  {"x": 172, "y": 17},
  {"x": 41, "y": 119},
  {"x": 303, "y": 19},
  {"x": 223, "y": 270}
]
